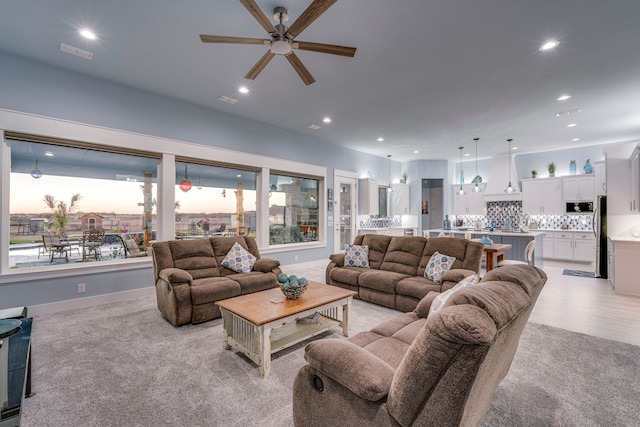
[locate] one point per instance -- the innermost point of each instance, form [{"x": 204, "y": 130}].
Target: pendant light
[
  {"x": 461, "y": 191},
  {"x": 35, "y": 172},
  {"x": 389, "y": 189},
  {"x": 199, "y": 187},
  {"x": 510, "y": 188},
  {"x": 476, "y": 188},
  {"x": 185, "y": 184}
]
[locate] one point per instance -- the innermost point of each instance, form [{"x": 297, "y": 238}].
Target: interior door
[{"x": 345, "y": 218}]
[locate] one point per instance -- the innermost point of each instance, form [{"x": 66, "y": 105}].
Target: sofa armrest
[
  {"x": 175, "y": 275},
  {"x": 422, "y": 309},
  {"x": 456, "y": 275},
  {"x": 266, "y": 265},
  {"x": 338, "y": 259},
  {"x": 355, "y": 368}
]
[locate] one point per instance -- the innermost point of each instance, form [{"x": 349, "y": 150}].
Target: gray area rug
[
  {"x": 121, "y": 364},
  {"x": 578, "y": 273}
]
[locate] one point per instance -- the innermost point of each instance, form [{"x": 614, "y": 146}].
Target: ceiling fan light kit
[{"x": 282, "y": 38}]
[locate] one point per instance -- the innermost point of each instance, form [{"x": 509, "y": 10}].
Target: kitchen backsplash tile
[
  {"x": 501, "y": 212},
  {"x": 372, "y": 221}
]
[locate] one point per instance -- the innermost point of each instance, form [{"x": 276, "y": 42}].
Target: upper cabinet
[
  {"x": 600, "y": 170},
  {"x": 368, "y": 197},
  {"x": 578, "y": 187},
  {"x": 400, "y": 197},
  {"x": 471, "y": 203},
  {"x": 634, "y": 203},
  {"x": 542, "y": 196}
]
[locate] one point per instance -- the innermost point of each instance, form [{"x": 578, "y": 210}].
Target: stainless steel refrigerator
[{"x": 600, "y": 231}]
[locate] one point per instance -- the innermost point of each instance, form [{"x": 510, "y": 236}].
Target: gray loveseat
[
  {"x": 414, "y": 371},
  {"x": 190, "y": 278},
  {"x": 395, "y": 278}
]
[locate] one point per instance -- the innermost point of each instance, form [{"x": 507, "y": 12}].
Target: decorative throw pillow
[
  {"x": 238, "y": 259},
  {"x": 440, "y": 301},
  {"x": 438, "y": 265},
  {"x": 356, "y": 256}
]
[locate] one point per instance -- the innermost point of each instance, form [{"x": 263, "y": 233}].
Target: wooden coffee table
[{"x": 258, "y": 327}]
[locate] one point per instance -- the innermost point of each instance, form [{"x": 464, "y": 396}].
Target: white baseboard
[{"x": 54, "y": 307}]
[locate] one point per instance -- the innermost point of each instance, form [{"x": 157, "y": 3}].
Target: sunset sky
[{"x": 99, "y": 195}]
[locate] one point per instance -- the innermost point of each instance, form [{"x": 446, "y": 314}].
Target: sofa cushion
[
  {"x": 356, "y": 256},
  {"x": 266, "y": 265},
  {"x": 441, "y": 300},
  {"x": 196, "y": 256},
  {"x": 346, "y": 275},
  {"x": 404, "y": 254},
  {"x": 451, "y": 246},
  {"x": 417, "y": 287},
  {"x": 384, "y": 281},
  {"x": 212, "y": 289},
  {"x": 255, "y": 281},
  {"x": 378, "y": 244},
  {"x": 222, "y": 245},
  {"x": 438, "y": 265},
  {"x": 239, "y": 259}
]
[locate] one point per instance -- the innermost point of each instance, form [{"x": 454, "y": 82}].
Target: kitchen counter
[
  {"x": 517, "y": 239},
  {"x": 531, "y": 233},
  {"x": 626, "y": 252}
]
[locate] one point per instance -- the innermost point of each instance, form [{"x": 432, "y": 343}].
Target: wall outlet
[
  {"x": 295, "y": 257},
  {"x": 82, "y": 287}
]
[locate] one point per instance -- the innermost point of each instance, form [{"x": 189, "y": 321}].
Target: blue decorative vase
[
  {"x": 588, "y": 167},
  {"x": 572, "y": 167},
  {"x": 485, "y": 240}
]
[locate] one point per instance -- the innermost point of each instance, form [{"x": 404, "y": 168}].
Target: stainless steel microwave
[{"x": 585, "y": 208}]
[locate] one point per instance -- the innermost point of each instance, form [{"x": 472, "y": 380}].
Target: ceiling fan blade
[
  {"x": 259, "y": 15},
  {"x": 237, "y": 40},
  {"x": 315, "y": 9},
  {"x": 331, "y": 49},
  {"x": 302, "y": 71},
  {"x": 262, "y": 62}
]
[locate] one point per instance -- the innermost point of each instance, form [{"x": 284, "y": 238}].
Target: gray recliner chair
[{"x": 414, "y": 371}]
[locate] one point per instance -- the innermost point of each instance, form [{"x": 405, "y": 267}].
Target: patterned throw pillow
[
  {"x": 440, "y": 301},
  {"x": 438, "y": 265},
  {"x": 356, "y": 256},
  {"x": 238, "y": 259}
]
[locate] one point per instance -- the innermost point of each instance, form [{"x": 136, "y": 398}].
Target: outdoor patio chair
[
  {"x": 91, "y": 242},
  {"x": 57, "y": 246}
]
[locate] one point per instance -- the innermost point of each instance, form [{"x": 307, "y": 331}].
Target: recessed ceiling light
[
  {"x": 563, "y": 97},
  {"x": 549, "y": 45},
  {"x": 571, "y": 125},
  {"x": 87, "y": 33},
  {"x": 576, "y": 139},
  {"x": 380, "y": 139},
  {"x": 239, "y": 175},
  {"x": 48, "y": 153},
  {"x": 327, "y": 120},
  {"x": 415, "y": 151},
  {"x": 514, "y": 148},
  {"x": 243, "y": 89},
  {"x": 467, "y": 155}
]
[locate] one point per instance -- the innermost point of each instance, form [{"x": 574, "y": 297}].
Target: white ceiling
[{"x": 427, "y": 75}]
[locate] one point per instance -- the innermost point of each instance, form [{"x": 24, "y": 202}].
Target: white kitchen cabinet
[
  {"x": 574, "y": 246},
  {"x": 578, "y": 187},
  {"x": 368, "y": 197},
  {"x": 600, "y": 171},
  {"x": 547, "y": 241},
  {"x": 400, "y": 197},
  {"x": 542, "y": 196},
  {"x": 625, "y": 271},
  {"x": 471, "y": 203}
]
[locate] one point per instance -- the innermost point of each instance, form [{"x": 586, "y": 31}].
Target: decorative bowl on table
[{"x": 292, "y": 286}]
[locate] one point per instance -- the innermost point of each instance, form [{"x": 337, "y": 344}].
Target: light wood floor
[{"x": 577, "y": 304}]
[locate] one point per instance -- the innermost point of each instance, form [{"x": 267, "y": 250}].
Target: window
[
  {"x": 73, "y": 189},
  {"x": 293, "y": 209},
  {"x": 214, "y": 201}
]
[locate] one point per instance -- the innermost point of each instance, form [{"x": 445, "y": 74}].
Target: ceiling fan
[{"x": 282, "y": 40}]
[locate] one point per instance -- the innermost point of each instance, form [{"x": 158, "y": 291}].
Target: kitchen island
[{"x": 517, "y": 239}]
